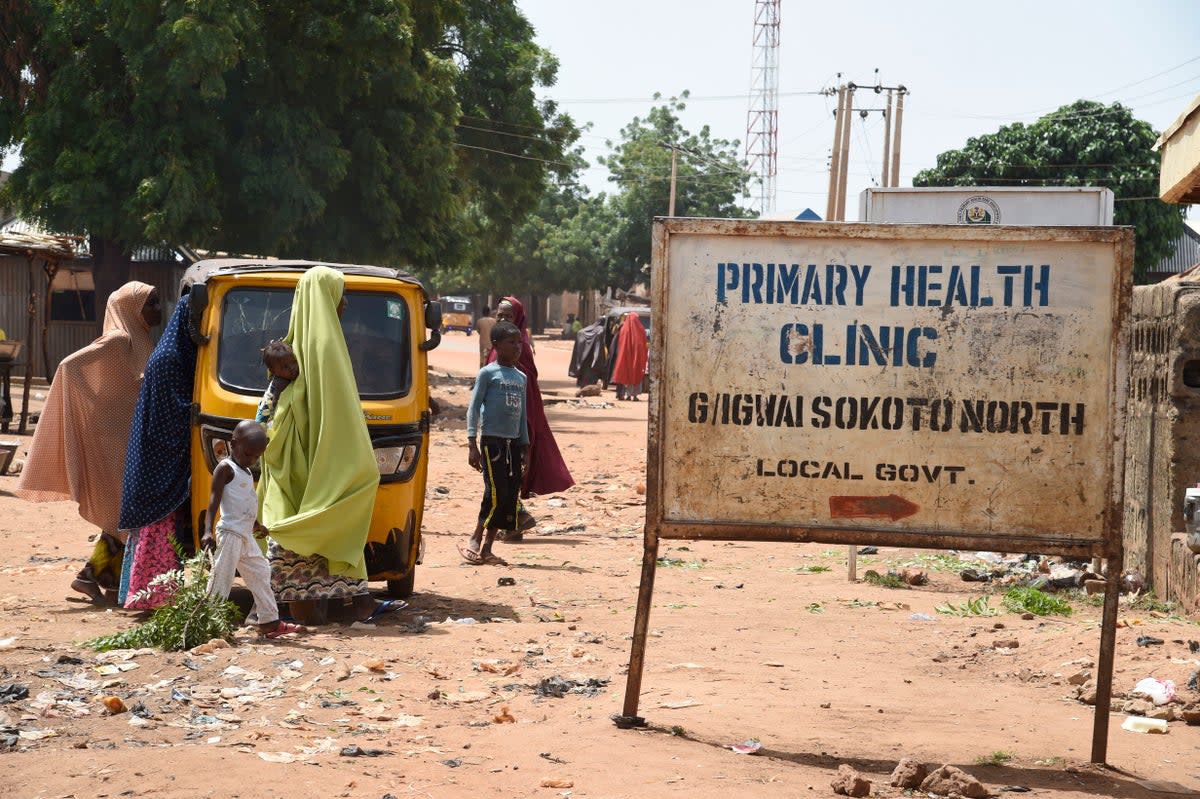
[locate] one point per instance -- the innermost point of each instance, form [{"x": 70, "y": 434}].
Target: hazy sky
[{"x": 970, "y": 68}]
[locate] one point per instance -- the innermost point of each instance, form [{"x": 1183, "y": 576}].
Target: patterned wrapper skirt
[{"x": 297, "y": 578}]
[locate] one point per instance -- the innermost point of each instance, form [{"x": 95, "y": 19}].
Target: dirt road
[{"x": 490, "y": 690}]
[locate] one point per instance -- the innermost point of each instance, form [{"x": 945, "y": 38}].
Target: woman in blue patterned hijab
[{"x": 158, "y": 464}]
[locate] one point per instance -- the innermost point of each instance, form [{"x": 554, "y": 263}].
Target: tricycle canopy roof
[{"x": 202, "y": 271}]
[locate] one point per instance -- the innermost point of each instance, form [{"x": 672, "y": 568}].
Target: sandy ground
[{"x": 750, "y": 642}]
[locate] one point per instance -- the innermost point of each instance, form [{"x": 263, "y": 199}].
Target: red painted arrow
[{"x": 889, "y": 507}]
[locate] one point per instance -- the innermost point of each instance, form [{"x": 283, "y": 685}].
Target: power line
[
  {"x": 690, "y": 98},
  {"x": 513, "y": 155}
]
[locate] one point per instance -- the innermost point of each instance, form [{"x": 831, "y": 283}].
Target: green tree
[
  {"x": 297, "y": 127},
  {"x": 709, "y": 182},
  {"x": 1082, "y": 144}
]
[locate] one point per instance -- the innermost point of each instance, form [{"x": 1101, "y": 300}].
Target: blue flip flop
[{"x": 386, "y": 606}]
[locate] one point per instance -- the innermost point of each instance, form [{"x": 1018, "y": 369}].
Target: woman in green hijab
[{"x": 319, "y": 475}]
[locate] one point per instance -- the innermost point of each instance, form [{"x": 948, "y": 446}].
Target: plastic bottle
[{"x": 1143, "y": 724}]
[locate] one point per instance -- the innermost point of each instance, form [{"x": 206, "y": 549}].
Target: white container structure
[{"x": 988, "y": 205}]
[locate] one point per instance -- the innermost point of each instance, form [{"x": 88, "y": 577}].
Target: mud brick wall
[
  {"x": 1162, "y": 433},
  {"x": 1183, "y": 575}
]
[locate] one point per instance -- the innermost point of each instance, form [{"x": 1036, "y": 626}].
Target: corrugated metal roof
[
  {"x": 144, "y": 254},
  {"x": 1186, "y": 254}
]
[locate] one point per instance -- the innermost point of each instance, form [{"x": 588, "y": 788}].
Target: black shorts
[{"x": 501, "y": 482}]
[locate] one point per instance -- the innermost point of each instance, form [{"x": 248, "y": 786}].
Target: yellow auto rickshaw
[
  {"x": 456, "y": 314},
  {"x": 238, "y": 305}
]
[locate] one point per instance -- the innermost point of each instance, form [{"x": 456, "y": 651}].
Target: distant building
[{"x": 1185, "y": 255}]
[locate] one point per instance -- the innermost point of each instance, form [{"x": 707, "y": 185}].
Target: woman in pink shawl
[
  {"x": 79, "y": 446},
  {"x": 545, "y": 470}
]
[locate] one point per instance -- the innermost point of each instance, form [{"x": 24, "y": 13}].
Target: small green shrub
[
  {"x": 1024, "y": 599},
  {"x": 972, "y": 607},
  {"x": 884, "y": 580},
  {"x": 996, "y": 758}
]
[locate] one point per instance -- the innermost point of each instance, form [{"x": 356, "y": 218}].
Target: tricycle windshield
[{"x": 376, "y": 325}]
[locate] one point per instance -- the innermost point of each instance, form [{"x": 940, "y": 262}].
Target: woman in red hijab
[
  {"x": 545, "y": 470},
  {"x": 632, "y": 353}
]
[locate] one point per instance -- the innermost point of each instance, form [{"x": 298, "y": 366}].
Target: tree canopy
[
  {"x": 574, "y": 241},
  {"x": 1082, "y": 144},
  {"x": 709, "y": 182},
  {"x": 372, "y": 130}
]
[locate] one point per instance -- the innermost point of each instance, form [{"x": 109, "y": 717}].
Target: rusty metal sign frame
[{"x": 1109, "y": 546}]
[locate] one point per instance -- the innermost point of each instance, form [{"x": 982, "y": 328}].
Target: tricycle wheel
[{"x": 403, "y": 587}]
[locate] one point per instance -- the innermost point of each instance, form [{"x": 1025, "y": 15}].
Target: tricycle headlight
[{"x": 395, "y": 460}]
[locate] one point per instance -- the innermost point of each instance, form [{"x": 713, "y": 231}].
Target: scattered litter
[
  {"x": 140, "y": 710},
  {"x": 504, "y": 717},
  {"x": 79, "y": 682},
  {"x": 463, "y": 620},
  {"x": 12, "y": 692},
  {"x": 920, "y": 617},
  {"x": 36, "y": 735},
  {"x": 69, "y": 660},
  {"x": 354, "y": 750},
  {"x": 557, "y": 687},
  {"x": 748, "y": 747},
  {"x": 498, "y": 667},
  {"x": 452, "y": 763},
  {"x": 555, "y": 503},
  {"x": 680, "y": 704},
  {"x": 278, "y": 757},
  {"x": 556, "y": 783},
  {"x": 975, "y": 576},
  {"x": 1159, "y": 692},
  {"x": 505, "y": 581},
  {"x": 113, "y": 704},
  {"x": 1148, "y": 640},
  {"x": 869, "y": 551},
  {"x": 7, "y": 643},
  {"x": 115, "y": 668},
  {"x": 1143, "y": 724}
]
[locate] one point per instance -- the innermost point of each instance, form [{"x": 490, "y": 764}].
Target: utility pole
[
  {"x": 844, "y": 172},
  {"x": 671, "y": 201},
  {"x": 895, "y": 171},
  {"x": 835, "y": 161},
  {"x": 839, "y": 165},
  {"x": 887, "y": 141}
]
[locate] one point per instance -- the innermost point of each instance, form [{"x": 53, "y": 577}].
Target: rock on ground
[
  {"x": 951, "y": 780},
  {"x": 849, "y": 782},
  {"x": 909, "y": 773}
]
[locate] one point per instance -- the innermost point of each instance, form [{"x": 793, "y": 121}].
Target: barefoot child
[
  {"x": 233, "y": 536},
  {"x": 281, "y": 363},
  {"x": 497, "y": 414}
]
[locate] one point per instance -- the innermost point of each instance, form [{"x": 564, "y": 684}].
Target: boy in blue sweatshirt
[{"x": 497, "y": 416}]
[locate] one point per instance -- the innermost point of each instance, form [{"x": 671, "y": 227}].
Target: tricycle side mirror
[
  {"x": 196, "y": 304},
  {"x": 433, "y": 321}
]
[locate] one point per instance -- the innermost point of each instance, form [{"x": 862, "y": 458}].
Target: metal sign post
[{"x": 931, "y": 386}]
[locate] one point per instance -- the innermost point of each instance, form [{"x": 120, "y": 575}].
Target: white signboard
[{"x": 935, "y": 385}]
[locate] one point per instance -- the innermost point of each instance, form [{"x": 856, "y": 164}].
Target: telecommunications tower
[{"x": 762, "y": 120}]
